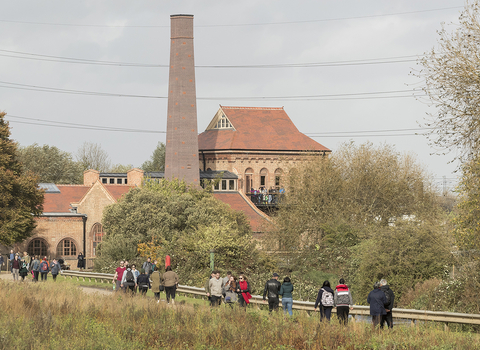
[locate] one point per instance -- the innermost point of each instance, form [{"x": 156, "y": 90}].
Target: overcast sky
[{"x": 227, "y": 33}]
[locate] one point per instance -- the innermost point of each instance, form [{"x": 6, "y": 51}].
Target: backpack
[
  {"x": 327, "y": 298},
  {"x": 388, "y": 297},
  {"x": 44, "y": 267},
  {"x": 129, "y": 276}
]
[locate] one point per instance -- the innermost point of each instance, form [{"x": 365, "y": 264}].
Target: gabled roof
[
  {"x": 60, "y": 202},
  {"x": 258, "y": 220},
  {"x": 256, "y": 128}
]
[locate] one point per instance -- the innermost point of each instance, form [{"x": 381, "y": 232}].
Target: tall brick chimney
[{"x": 181, "y": 158}]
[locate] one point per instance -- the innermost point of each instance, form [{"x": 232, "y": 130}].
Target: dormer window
[{"x": 223, "y": 123}]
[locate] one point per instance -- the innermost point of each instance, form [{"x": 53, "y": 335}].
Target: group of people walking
[
  {"x": 22, "y": 266},
  {"x": 128, "y": 278},
  {"x": 229, "y": 287}
]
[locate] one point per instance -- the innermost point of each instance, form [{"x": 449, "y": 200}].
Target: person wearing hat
[{"x": 272, "y": 288}]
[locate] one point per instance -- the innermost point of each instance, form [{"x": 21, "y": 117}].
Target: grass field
[{"x": 60, "y": 316}]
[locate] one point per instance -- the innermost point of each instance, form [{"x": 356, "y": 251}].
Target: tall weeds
[{"x": 53, "y": 316}]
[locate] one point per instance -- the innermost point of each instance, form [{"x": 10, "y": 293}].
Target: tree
[
  {"x": 120, "y": 168},
  {"x": 452, "y": 82},
  {"x": 157, "y": 160},
  {"x": 404, "y": 254},
  {"x": 20, "y": 198},
  {"x": 50, "y": 164},
  {"x": 92, "y": 156},
  {"x": 466, "y": 217},
  {"x": 331, "y": 203},
  {"x": 184, "y": 222}
]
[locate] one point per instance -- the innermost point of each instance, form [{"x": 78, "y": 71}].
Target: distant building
[
  {"x": 242, "y": 147},
  {"x": 258, "y": 144}
]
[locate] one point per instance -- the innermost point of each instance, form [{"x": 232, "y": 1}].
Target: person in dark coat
[
  {"x": 272, "y": 287},
  {"x": 389, "y": 305},
  {"x": 143, "y": 282},
  {"x": 326, "y": 301},
  {"x": 377, "y": 300},
  {"x": 81, "y": 261},
  {"x": 55, "y": 269}
]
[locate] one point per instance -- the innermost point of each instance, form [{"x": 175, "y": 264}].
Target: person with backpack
[
  {"x": 44, "y": 269},
  {"x": 35, "y": 268},
  {"x": 148, "y": 267},
  {"x": 377, "y": 300},
  {"x": 326, "y": 301},
  {"x": 143, "y": 282},
  {"x": 129, "y": 280},
  {"x": 388, "y": 305},
  {"x": 343, "y": 301},
  {"x": 55, "y": 268},
  {"x": 157, "y": 283},
  {"x": 287, "y": 298}
]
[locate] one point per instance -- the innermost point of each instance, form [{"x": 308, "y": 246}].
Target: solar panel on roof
[{"x": 49, "y": 187}]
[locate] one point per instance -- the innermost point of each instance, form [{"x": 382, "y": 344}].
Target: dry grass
[{"x": 53, "y": 316}]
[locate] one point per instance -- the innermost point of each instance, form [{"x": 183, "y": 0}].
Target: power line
[
  {"x": 62, "y": 59},
  {"x": 363, "y": 131},
  {"x": 345, "y": 96},
  {"x": 53, "y": 123},
  {"x": 234, "y": 25}
]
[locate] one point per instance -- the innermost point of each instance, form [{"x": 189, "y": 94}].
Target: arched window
[
  {"x": 278, "y": 175},
  {"x": 263, "y": 177},
  {"x": 38, "y": 247},
  {"x": 248, "y": 180},
  {"x": 97, "y": 236},
  {"x": 66, "y": 247}
]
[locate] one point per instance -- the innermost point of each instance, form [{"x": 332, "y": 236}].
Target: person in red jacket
[{"x": 343, "y": 301}]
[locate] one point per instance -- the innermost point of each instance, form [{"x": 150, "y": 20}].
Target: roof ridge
[
  {"x": 71, "y": 185},
  {"x": 258, "y": 108}
]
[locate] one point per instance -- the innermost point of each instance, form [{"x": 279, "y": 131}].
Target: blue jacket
[
  {"x": 41, "y": 267},
  {"x": 377, "y": 300}
]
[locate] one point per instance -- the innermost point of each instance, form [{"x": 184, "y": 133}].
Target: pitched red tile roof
[
  {"x": 257, "y": 128},
  {"x": 60, "y": 202},
  {"x": 117, "y": 191},
  {"x": 258, "y": 220}
]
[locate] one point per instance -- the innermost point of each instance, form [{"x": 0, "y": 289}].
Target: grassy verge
[{"x": 60, "y": 316}]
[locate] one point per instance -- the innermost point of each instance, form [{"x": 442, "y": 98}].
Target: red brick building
[
  {"x": 72, "y": 220},
  {"x": 258, "y": 144},
  {"x": 249, "y": 147}
]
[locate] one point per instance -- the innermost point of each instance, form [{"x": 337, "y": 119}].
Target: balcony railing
[{"x": 262, "y": 200}]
